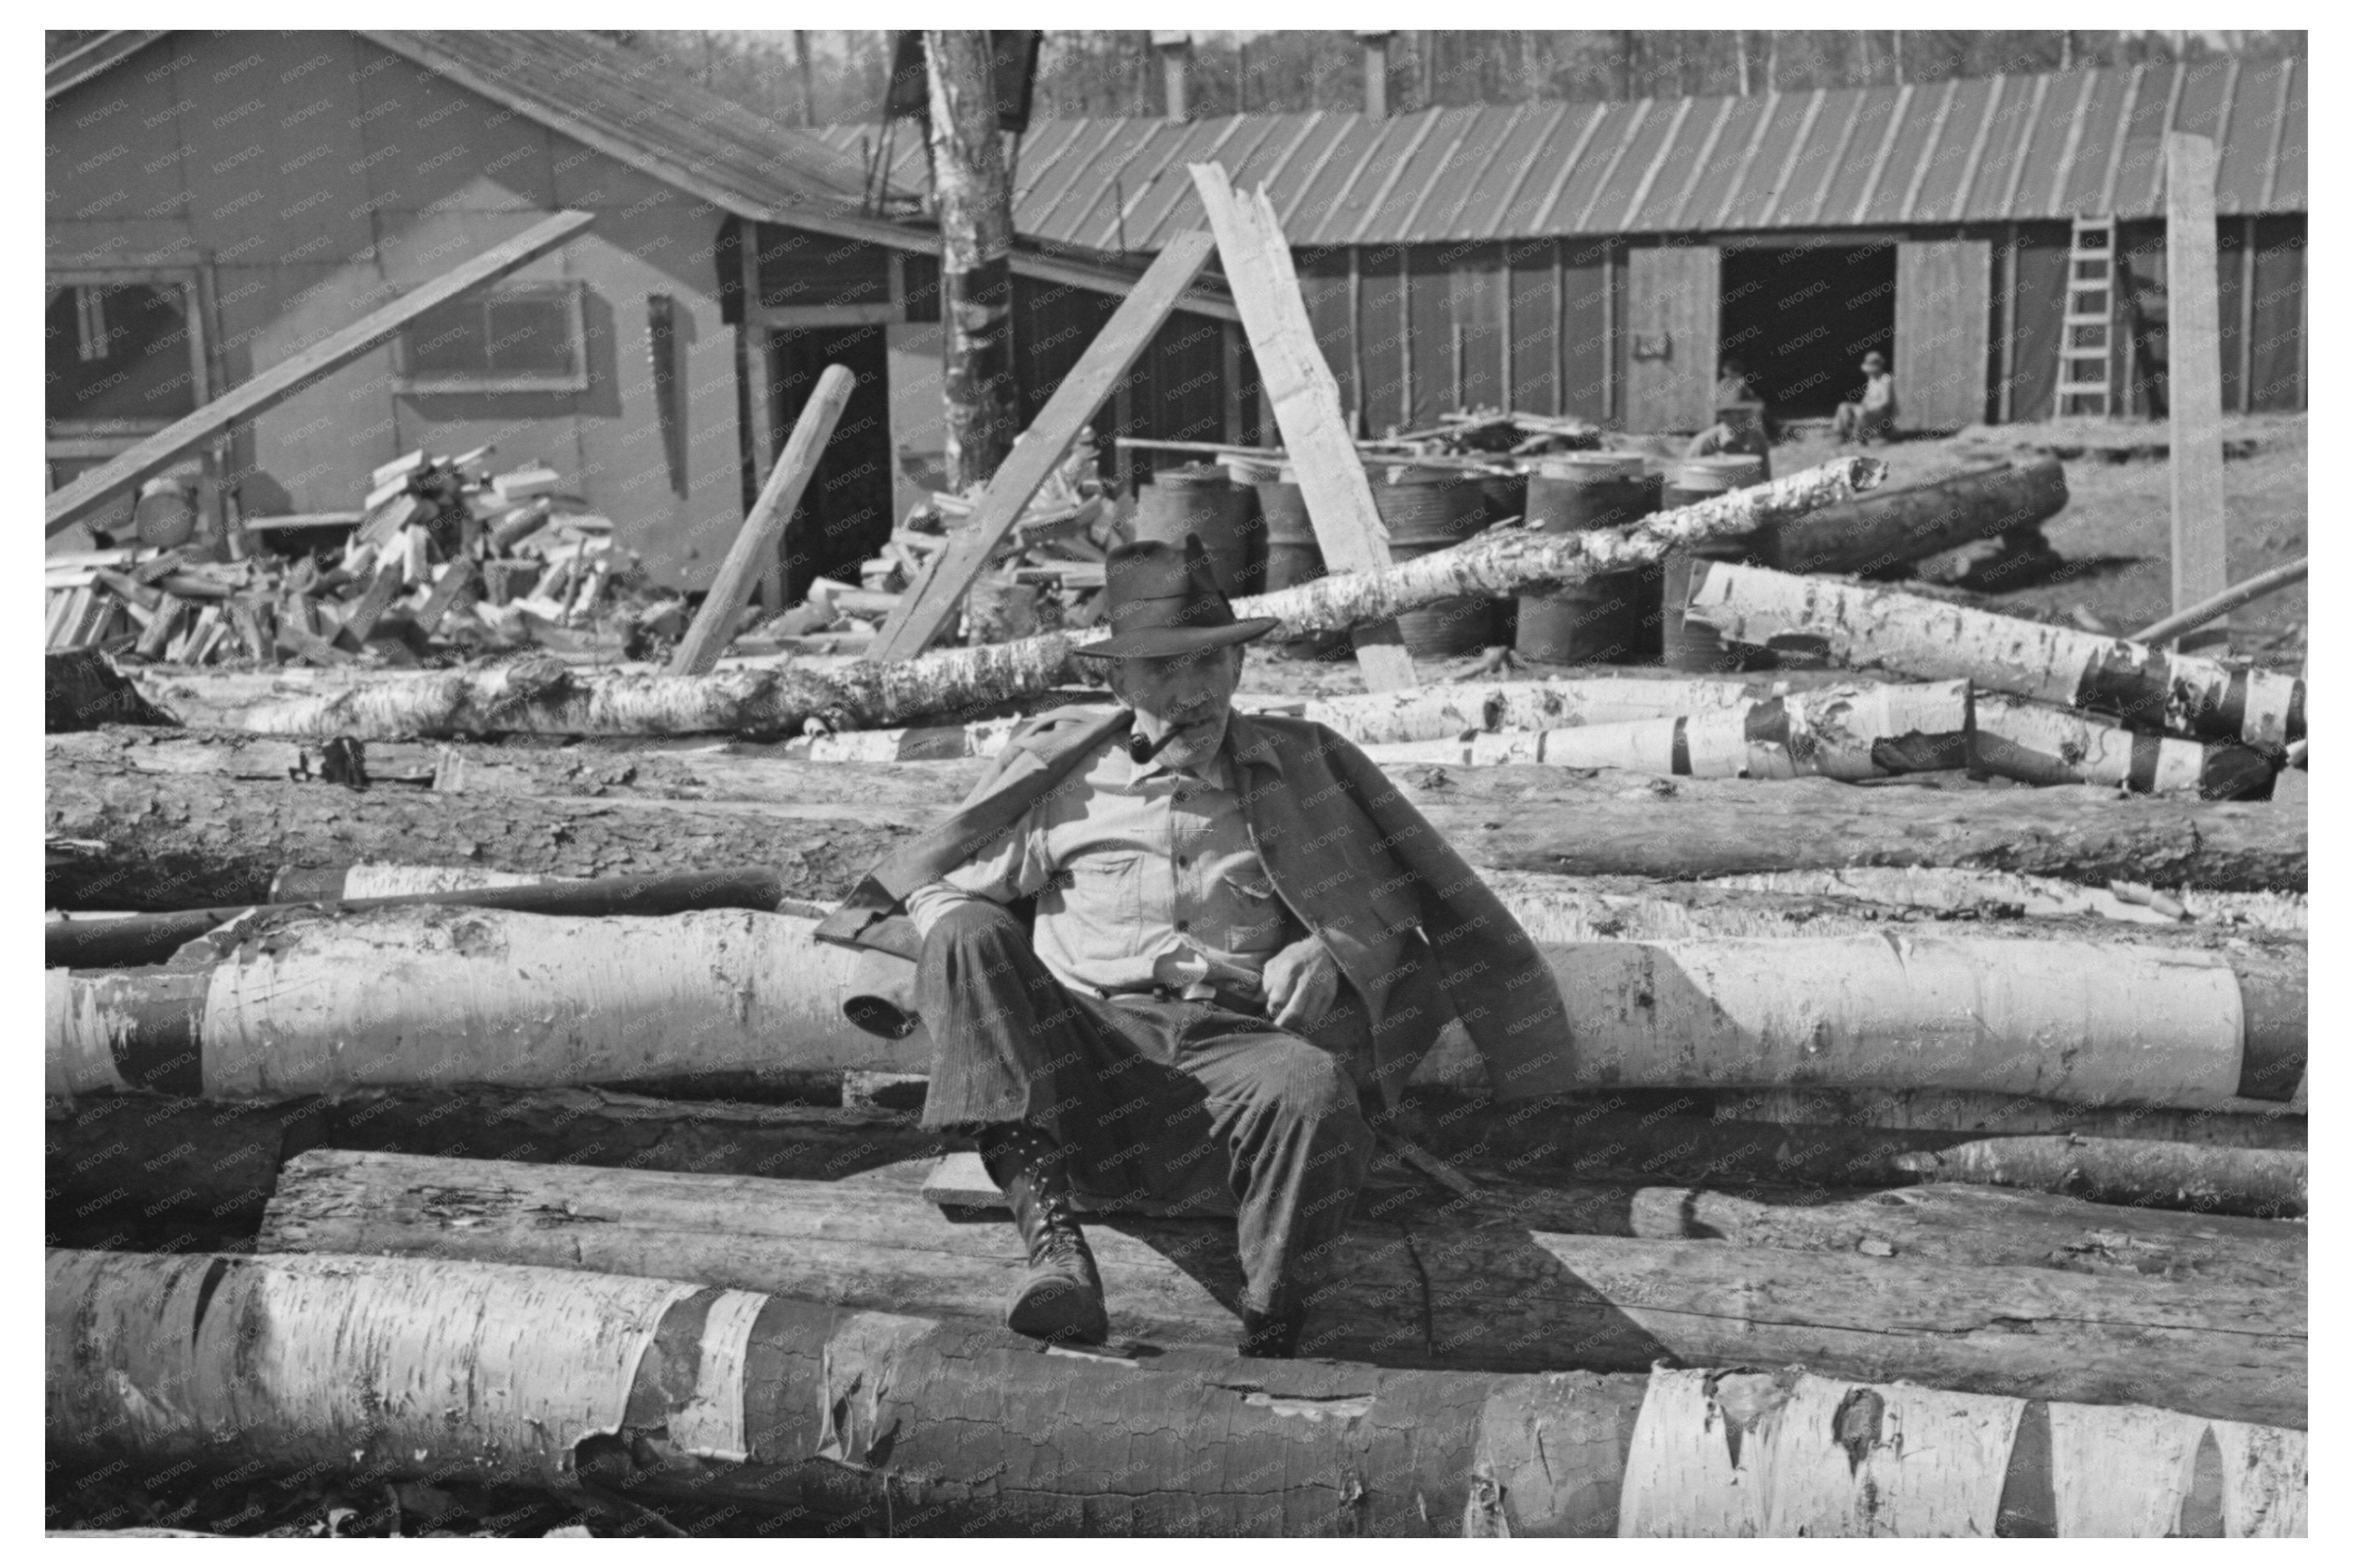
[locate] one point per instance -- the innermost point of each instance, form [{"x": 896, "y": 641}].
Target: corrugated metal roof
[{"x": 1990, "y": 148}]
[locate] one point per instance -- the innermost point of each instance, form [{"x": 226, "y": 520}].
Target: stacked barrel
[{"x": 1608, "y": 619}]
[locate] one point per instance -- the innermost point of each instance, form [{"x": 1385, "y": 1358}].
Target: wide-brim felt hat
[{"x": 1160, "y": 600}]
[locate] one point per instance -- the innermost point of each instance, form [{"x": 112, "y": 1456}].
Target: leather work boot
[
  {"x": 1271, "y": 1336},
  {"x": 1060, "y": 1298}
]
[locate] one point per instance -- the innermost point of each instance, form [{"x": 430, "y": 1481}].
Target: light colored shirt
[{"x": 1145, "y": 876}]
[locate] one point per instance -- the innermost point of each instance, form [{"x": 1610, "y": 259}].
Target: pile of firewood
[
  {"x": 442, "y": 559},
  {"x": 1045, "y": 575}
]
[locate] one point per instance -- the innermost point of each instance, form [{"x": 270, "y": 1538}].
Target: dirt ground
[{"x": 2115, "y": 532}]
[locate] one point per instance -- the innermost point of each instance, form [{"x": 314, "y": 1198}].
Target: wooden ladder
[{"x": 2087, "y": 331}]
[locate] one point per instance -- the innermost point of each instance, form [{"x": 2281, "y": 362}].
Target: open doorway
[
  {"x": 1800, "y": 318},
  {"x": 845, "y": 514}
]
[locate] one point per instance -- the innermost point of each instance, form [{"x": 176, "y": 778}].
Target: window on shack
[
  {"x": 120, "y": 356},
  {"x": 520, "y": 338}
]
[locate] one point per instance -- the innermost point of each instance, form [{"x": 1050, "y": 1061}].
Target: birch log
[
  {"x": 930, "y": 1427},
  {"x": 414, "y": 996},
  {"x": 172, "y": 842},
  {"x": 437, "y": 994},
  {"x": 2035, "y": 743},
  {"x": 1866, "y": 628},
  {"x": 2269, "y": 1182},
  {"x": 2067, "y": 1021},
  {"x": 545, "y": 696},
  {"x": 1496, "y": 1297},
  {"x": 1842, "y": 733},
  {"x": 1869, "y": 533}
]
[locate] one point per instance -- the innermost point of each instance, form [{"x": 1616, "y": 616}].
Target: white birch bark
[
  {"x": 1867, "y": 627},
  {"x": 545, "y": 696}
]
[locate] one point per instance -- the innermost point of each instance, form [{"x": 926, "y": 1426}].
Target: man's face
[{"x": 1191, "y": 693}]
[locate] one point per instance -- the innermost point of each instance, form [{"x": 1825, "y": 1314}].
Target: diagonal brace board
[
  {"x": 928, "y": 604},
  {"x": 65, "y": 506},
  {"x": 1306, "y": 402}
]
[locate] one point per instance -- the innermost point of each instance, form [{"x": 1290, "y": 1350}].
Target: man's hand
[{"x": 1302, "y": 981}]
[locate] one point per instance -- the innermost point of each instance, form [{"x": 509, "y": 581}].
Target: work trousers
[{"x": 1190, "y": 1104}]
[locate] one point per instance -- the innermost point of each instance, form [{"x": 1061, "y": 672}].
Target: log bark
[
  {"x": 2042, "y": 746},
  {"x": 2266, "y": 1183},
  {"x": 153, "y": 1174},
  {"x": 1869, "y": 533},
  {"x": 1842, "y": 733},
  {"x": 172, "y": 842},
  {"x": 1881, "y": 629},
  {"x": 345, "y": 997},
  {"x": 1992, "y": 895},
  {"x": 84, "y": 690},
  {"x": 1509, "y": 1296},
  {"x": 176, "y": 842},
  {"x": 544, "y": 696},
  {"x": 974, "y": 198},
  {"x": 409, "y": 996},
  {"x": 655, "y": 1388},
  {"x": 155, "y": 938}
]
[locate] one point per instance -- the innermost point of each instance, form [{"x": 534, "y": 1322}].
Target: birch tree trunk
[
  {"x": 1842, "y": 732},
  {"x": 1871, "y": 533},
  {"x": 974, "y": 200},
  {"x": 1497, "y": 1297},
  {"x": 2039, "y": 744},
  {"x": 1864, "y": 628},
  {"x": 410, "y": 996},
  {"x": 657, "y": 1387},
  {"x": 438, "y": 995},
  {"x": 544, "y": 696},
  {"x": 2267, "y": 1183},
  {"x": 175, "y": 842}
]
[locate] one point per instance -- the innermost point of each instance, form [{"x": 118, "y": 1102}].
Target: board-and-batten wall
[{"x": 1572, "y": 326}]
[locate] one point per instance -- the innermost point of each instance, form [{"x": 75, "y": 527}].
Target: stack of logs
[{"x": 1937, "y": 1046}]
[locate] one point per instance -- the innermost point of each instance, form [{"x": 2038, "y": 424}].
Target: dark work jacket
[{"x": 1417, "y": 937}]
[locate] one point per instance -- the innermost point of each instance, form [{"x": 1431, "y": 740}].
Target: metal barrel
[
  {"x": 1200, "y": 499},
  {"x": 1426, "y": 510},
  {"x": 1292, "y": 556},
  {"x": 1691, "y": 645},
  {"x": 1601, "y": 619}
]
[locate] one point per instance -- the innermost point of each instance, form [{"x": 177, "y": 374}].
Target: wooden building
[
  {"x": 216, "y": 201},
  {"x": 1597, "y": 258}
]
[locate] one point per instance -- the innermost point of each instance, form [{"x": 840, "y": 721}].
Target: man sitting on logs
[{"x": 1164, "y": 951}]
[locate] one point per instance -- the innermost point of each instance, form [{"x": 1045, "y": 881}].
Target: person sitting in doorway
[
  {"x": 1872, "y": 416},
  {"x": 1740, "y": 423}
]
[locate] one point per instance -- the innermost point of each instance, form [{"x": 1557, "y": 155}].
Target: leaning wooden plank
[
  {"x": 70, "y": 502},
  {"x": 141, "y": 939},
  {"x": 940, "y": 1427},
  {"x": 2269, "y": 1182},
  {"x": 1298, "y": 385},
  {"x": 1882, "y": 628},
  {"x": 2223, "y": 603},
  {"x": 922, "y": 616},
  {"x": 754, "y": 552},
  {"x": 395, "y": 995},
  {"x": 1500, "y": 1292},
  {"x": 543, "y": 695},
  {"x": 1874, "y": 533},
  {"x": 2193, "y": 395}
]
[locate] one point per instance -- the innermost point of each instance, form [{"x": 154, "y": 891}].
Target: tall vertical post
[
  {"x": 975, "y": 218},
  {"x": 1173, "y": 47},
  {"x": 755, "y": 362},
  {"x": 2194, "y": 377},
  {"x": 1377, "y": 74}
]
